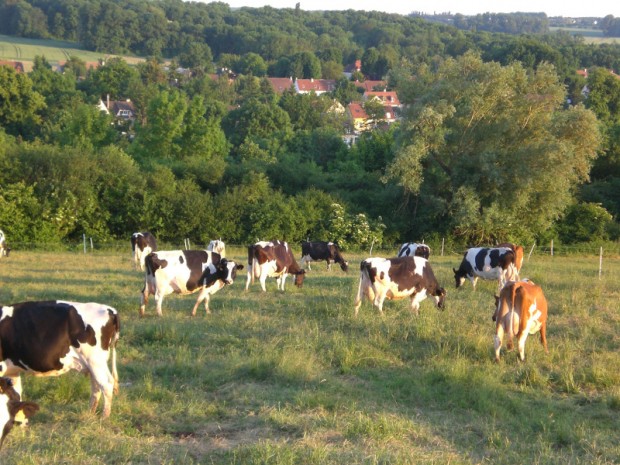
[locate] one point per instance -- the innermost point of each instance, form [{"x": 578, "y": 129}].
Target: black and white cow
[
  {"x": 4, "y": 248},
  {"x": 217, "y": 246},
  {"x": 487, "y": 263},
  {"x": 185, "y": 272},
  {"x": 272, "y": 259},
  {"x": 11, "y": 406},
  {"x": 50, "y": 338},
  {"x": 397, "y": 278},
  {"x": 319, "y": 250},
  {"x": 142, "y": 244},
  {"x": 413, "y": 249}
]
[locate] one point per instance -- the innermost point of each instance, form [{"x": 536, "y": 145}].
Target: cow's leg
[
  {"x": 102, "y": 382},
  {"x": 379, "y": 299},
  {"x": 360, "y": 296},
  {"x": 249, "y": 280},
  {"x": 20, "y": 418},
  {"x": 543, "y": 336},
  {"x": 499, "y": 335},
  {"x": 263, "y": 279},
  {"x": 329, "y": 265},
  {"x": 144, "y": 299},
  {"x": 474, "y": 280},
  {"x": 159, "y": 299},
  {"x": 521, "y": 344},
  {"x": 415, "y": 305}
]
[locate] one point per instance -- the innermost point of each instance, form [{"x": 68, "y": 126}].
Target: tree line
[{"x": 497, "y": 138}]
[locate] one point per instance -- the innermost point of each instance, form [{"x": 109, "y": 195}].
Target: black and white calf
[
  {"x": 319, "y": 250},
  {"x": 487, "y": 263},
  {"x": 142, "y": 244},
  {"x": 11, "y": 406},
  {"x": 50, "y": 338},
  {"x": 398, "y": 278},
  {"x": 185, "y": 272},
  {"x": 413, "y": 249},
  {"x": 4, "y": 248}
]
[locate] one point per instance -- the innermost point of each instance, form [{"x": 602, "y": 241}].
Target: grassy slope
[
  {"x": 293, "y": 378},
  {"x": 25, "y": 50}
]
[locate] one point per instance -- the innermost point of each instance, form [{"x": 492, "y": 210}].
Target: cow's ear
[{"x": 239, "y": 267}]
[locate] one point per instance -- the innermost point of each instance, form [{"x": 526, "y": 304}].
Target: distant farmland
[
  {"x": 591, "y": 36},
  {"x": 25, "y": 50}
]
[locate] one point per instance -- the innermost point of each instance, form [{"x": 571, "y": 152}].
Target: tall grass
[{"x": 293, "y": 377}]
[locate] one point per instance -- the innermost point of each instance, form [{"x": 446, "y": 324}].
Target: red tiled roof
[
  {"x": 357, "y": 111},
  {"x": 369, "y": 85},
  {"x": 281, "y": 84},
  {"x": 316, "y": 85},
  {"x": 16, "y": 65},
  {"x": 388, "y": 97}
]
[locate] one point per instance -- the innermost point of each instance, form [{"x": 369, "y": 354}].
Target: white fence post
[
  {"x": 531, "y": 250},
  {"x": 600, "y": 263},
  {"x": 442, "y": 243},
  {"x": 91, "y": 244},
  {"x": 84, "y": 241},
  {"x": 552, "y": 247},
  {"x": 371, "y": 246}
]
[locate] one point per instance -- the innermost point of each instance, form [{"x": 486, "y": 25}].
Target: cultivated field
[
  {"x": 590, "y": 36},
  {"x": 25, "y": 50},
  {"x": 293, "y": 378}
]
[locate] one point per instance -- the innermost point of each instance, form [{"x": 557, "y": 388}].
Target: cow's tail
[
  {"x": 253, "y": 265},
  {"x": 513, "y": 297},
  {"x": 115, "y": 338},
  {"x": 365, "y": 281}
]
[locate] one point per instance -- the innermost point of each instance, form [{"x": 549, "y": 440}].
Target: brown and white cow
[
  {"x": 50, "y": 338},
  {"x": 520, "y": 310},
  {"x": 272, "y": 259},
  {"x": 4, "y": 248},
  {"x": 398, "y": 278},
  {"x": 413, "y": 249},
  {"x": 217, "y": 246},
  {"x": 11, "y": 406},
  {"x": 142, "y": 244},
  {"x": 320, "y": 250},
  {"x": 185, "y": 272},
  {"x": 487, "y": 263},
  {"x": 518, "y": 251}
]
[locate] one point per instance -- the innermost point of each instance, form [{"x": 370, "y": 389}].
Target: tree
[
  {"x": 493, "y": 145},
  {"x": 20, "y": 104}
]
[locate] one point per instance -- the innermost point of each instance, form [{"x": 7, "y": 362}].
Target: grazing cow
[
  {"x": 397, "y": 278},
  {"x": 4, "y": 248},
  {"x": 11, "y": 406},
  {"x": 486, "y": 263},
  {"x": 185, "y": 272},
  {"x": 142, "y": 244},
  {"x": 50, "y": 338},
  {"x": 520, "y": 310},
  {"x": 218, "y": 247},
  {"x": 518, "y": 251},
  {"x": 317, "y": 251},
  {"x": 272, "y": 259},
  {"x": 412, "y": 249}
]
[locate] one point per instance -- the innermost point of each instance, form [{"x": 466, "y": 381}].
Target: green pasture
[
  {"x": 25, "y": 50},
  {"x": 591, "y": 36},
  {"x": 293, "y": 378}
]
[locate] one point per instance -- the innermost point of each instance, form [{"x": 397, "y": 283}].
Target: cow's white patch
[{"x": 7, "y": 312}]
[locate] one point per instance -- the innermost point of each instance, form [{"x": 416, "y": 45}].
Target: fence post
[
  {"x": 531, "y": 250},
  {"x": 371, "y": 246},
  {"x": 442, "y": 242},
  {"x": 552, "y": 247},
  {"x": 91, "y": 244},
  {"x": 84, "y": 241},
  {"x": 600, "y": 263}
]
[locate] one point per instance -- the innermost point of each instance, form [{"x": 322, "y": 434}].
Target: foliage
[{"x": 584, "y": 222}]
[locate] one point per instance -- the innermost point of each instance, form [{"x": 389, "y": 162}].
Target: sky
[{"x": 578, "y": 8}]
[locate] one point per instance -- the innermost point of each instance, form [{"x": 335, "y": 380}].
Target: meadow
[
  {"x": 55, "y": 51},
  {"x": 293, "y": 378}
]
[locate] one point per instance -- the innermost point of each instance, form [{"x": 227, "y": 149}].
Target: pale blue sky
[{"x": 598, "y": 8}]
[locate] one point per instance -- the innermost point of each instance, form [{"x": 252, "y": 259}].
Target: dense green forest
[{"x": 499, "y": 137}]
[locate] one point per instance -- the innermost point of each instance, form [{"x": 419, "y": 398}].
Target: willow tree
[{"x": 490, "y": 152}]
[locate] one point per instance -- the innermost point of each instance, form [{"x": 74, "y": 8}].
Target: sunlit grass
[{"x": 294, "y": 378}]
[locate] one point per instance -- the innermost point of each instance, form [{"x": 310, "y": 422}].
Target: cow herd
[{"x": 49, "y": 338}]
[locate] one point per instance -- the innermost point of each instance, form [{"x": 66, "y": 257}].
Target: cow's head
[
  {"x": 440, "y": 297},
  {"x": 227, "y": 271},
  {"x": 459, "y": 277},
  {"x": 299, "y": 278},
  {"x": 11, "y": 405},
  {"x": 344, "y": 265}
]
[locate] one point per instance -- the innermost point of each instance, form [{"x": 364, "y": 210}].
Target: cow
[
  {"x": 520, "y": 310},
  {"x": 142, "y": 244},
  {"x": 272, "y": 259},
  {"x": 11, "y": 406},
  {"x": 218, "y": 247},
  {"x": 411, "y": 249},
  {"x": 4, "y": 248},
  {"x": 50, "y": 338},
  {"x": 319, "y": 250},
  {"x": 486, "y": 263},
  {"x": 185, "y": 272},
  {"x": 397, "y": 278},
  {"x": 518, "y": 251}
]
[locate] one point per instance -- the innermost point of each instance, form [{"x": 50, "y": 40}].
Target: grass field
[
  {"x": 25, "y": 50},
  {"x": 294, "y": 378},
  {"x": 591, "y": 36}
]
